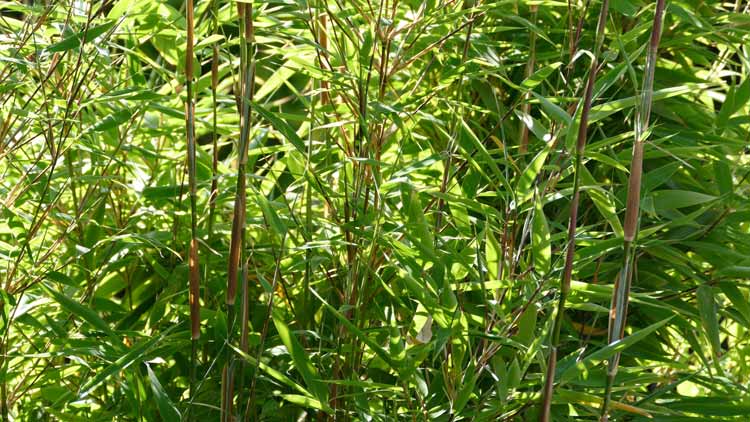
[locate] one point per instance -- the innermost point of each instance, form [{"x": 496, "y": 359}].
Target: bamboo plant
[{"x": 370, "y": 280}]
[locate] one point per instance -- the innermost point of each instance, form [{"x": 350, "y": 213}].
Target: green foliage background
[{"x": 403, "y": 253}]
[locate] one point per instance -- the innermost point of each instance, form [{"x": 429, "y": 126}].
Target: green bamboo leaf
[
  {"x": 493, "y": 254},
  {"x": 211, "y": 39},
  {"x": 656, "y": 177},
  {"x": 603, "y": 200},
  {"x": 366, "y": 48},
  {"x": 707, "y": 309},
  {"x": 514, "y": 373},
  {"x": 427, "y": 296},
  {"x": 76, "y": 40},
  {"x": 286, "y": 71},
  {"x": 167, "y": 409},
  {"x": 272, "y": 218},
  {"x": 571, "y": 134},
  {"x": 280, "y": 125},
  {"x": 155, "y": 193},
  {"x": 524, "y": 190},
  {"x": 299, "y": 356},
  {"x": 273, "y": 373},
  {"x": 541, "y": 132},
  {"x": 487, "y": 160},
  {"x": 306, "y": 401},
  {"x": 113, "y": 120},
  {"x": 130, "y": 94},
  {"x": 466, "y": 390},
  {"x": 375, "y": 347},
  {"x": 712, "y": 406},
  {"x": 607, "y": 109},
  {"x": 626, "y": 7},
  {"x": 540, "y": 76},
  {"x": 570, "y": 371},
  {"x": 531, "y": 27},
  {"x": 137, "y": 353},
  {"x": 739, "y": 301},
  {"x": 738, "y": 271},
  {"x": 723, "y": 176},
  {"x": 607, "y": 160},
  {"x": 80, "y": 311},
  {"x": 570, "y": 396},
  {"x": 417, "y": 222},
  {"x": 672, "y": 199},
  {"x": 61, "y": 278},
  {"x": 735, "y": 99},
  {"x": 556, "y": 112},
  {"x": 527, "y": 325},
  {"x": 540, "y": 239}
]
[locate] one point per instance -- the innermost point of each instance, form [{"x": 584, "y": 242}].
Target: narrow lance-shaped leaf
[
  {"x": 167, "y": 409},
  {"x": 300, "y": 358},
  {"x": 709, "y": 318},
  {"x": 540, "y": 241},
  {"x": 76, "y": 40}
]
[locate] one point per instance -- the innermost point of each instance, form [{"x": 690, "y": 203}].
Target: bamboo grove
[{"x": 375, "y": 210}]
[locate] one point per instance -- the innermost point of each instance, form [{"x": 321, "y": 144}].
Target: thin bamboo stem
[
  {"x": 214, "y": 117},
  {"x": 193, "y": 264},
  {"x": 621, "y": 293},
  {"x": 570, "y": 248},
  {"x": 526, "y": 107},
  {"x": 214, "y": 191},
  {"x": 237, "y": 242},
  {"x": 318, "y": 134}
]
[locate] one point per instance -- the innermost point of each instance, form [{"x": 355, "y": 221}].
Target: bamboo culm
[
  {"x": 548, "y": 390},
  {"x": 193, "y": 263},
  {"x": 237, "y": 241},
  {"x": 620, "y": 295}
]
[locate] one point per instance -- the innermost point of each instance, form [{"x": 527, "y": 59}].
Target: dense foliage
[{"x": 369, "y": 204}]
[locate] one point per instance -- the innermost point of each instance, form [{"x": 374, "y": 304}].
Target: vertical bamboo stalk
[
  {"x": 193, "y": 265},
  {"x": 244, "y": 333},
  {"x": 3, "y": 366},
  {"x": 526, "y": 107},
  {"x": 620, "y": 296},
  {"x": 214, "y": 105},
  {"x": 214, "y": 129},
  {"x": 317, "y": 134},
  {"x": 237, "y": 241},
  {"x": 570, "y": 249}
]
